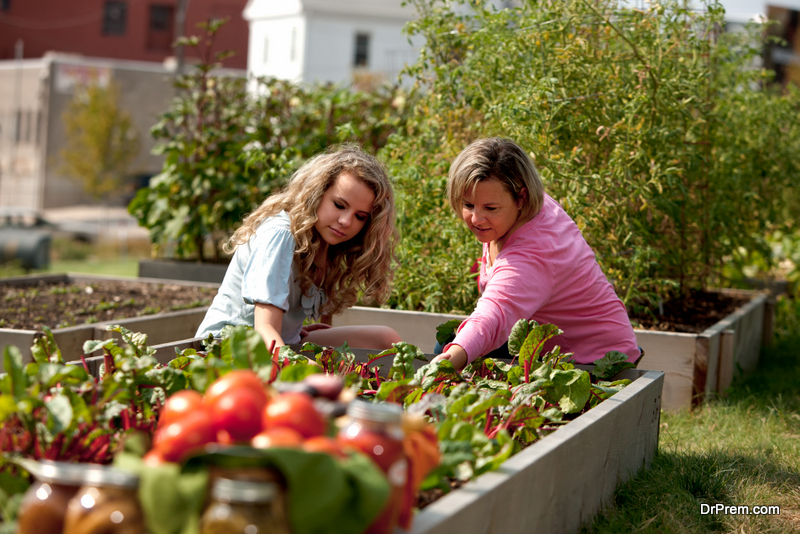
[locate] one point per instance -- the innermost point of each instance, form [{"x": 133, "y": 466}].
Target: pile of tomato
[{"x": 238, "y": 408}]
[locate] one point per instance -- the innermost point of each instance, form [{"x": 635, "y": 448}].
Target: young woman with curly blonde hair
[{"x": 313, "y": 249}]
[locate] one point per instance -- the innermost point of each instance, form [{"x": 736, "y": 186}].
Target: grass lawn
[
  {"x": 111, "y": 267},
  {"x": 104, "y": 258},
  {"x": 740, "y": 450}
]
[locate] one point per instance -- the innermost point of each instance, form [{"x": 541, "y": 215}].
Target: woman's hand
[
  {"x": 311, "y": 327},
  {"x": 456, "y": 355}
]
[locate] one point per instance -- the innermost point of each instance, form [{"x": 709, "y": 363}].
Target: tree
[{"x": 102, "y": 140}]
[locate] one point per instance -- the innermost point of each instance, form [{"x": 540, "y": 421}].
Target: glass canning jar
[
  {"x": 244, "y": 507},
  {"x": 44, "y": 504},
  {"x": 376, "y": 430},
  {"x": 106, "y": 503}
]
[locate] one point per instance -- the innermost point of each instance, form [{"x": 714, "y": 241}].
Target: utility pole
[{"x": 180, "y": 30}]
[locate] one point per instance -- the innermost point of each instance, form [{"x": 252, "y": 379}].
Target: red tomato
[
  {"x": 238, "y": 412},
  {"x": 236, "y": 380},
  {"x": 295, "y": 411},
  {"x": 325, "y": 444},
  {"x": 179, "y": 438},
  {"x": 179, "y": 404},
  {"x": 277, "y": 437}
]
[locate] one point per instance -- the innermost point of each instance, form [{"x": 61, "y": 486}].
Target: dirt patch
[
  {"x": 691, "y": 314},
  {"x": 58, "y": 305}
]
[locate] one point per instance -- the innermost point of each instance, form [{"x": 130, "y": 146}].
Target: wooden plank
[
  {"x": 87, "y": 279},
  {"x": 182, "y": 270},
  {"x": 768, "y": 330},
  {"x": 160, "y": 327},
  {"x": 749, "y": 333},
  {"x": 673, "y": 353},
  {"x": 22, "y": 339},
  {"x": 417, "y": 328},
  {"x": 726, "y": 360},
  {"x": 559, "y": 483},
  {"x": 29, "y": 279},
  {"x": 70, "y": 340},
  {"x": 707, "y": 363}
]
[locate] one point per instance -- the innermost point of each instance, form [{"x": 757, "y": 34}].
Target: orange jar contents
[
  {"x": 107, "y": 503},
  {"x": 244, "y": 507},
  {"x": 375, "y": 429},
  {"x": 45, "y": 503}
]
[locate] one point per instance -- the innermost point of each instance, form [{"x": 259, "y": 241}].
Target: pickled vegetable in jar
[
  {"x": 375, "y": 429},
  {"x": 244, "y": 507},
  {"x": 107, "y": 503},
  {"x": 44, "y": 504}
]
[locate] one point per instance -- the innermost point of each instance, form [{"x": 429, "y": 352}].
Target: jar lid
[
  {"x": 378, "y": 412},
  {"x": 68, "y": 474},
  {"x": 245, "y": 491},
  {"x": 103, "y": 475}
]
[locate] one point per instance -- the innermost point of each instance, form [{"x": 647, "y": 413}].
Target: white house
[{"x": 340, "y": 41}]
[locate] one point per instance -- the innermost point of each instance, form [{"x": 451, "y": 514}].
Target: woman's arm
[{"x": 268, "y": 322}]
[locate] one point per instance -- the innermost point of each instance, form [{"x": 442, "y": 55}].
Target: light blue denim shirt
[{"x": 263, "y": 270}]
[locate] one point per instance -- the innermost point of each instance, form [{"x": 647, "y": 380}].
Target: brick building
[
  {"x": 139, "y": 30},
  {"x": 50, "y": 47}
]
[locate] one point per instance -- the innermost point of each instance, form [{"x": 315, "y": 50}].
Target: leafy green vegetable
[{"x": 610, "y": 364}]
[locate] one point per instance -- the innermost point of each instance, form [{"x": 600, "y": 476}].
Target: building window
[
  {"x": 115, "y": 16},
  {"x": 265, "y": 57},
  {"x": 361, "y": 57},
  {"x": 293, "y": 45},
  {"x": 160, "y": 30}
]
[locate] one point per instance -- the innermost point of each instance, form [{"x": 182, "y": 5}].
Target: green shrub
[
  {"x": 229, "y": 142},
  {"x": 649, "y": 126}
]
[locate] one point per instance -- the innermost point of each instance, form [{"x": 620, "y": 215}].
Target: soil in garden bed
[
  {"x": 58, "y": 305},
  {"x": 691, "y": 314}
]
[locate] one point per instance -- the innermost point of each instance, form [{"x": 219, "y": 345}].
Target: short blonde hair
[
  {"x": 363, "y": 264},
  {"x": 498, "y": 159}
]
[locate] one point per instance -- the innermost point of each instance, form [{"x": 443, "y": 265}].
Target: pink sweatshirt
[{"x": 547, "y": 272}]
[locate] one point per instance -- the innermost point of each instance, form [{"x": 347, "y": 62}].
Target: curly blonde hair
[{"x": 363, "y": 264}]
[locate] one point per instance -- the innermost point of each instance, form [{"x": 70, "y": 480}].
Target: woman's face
[
  {"x": 490, "y": 211},
  {"x": 344, "y": 209}
]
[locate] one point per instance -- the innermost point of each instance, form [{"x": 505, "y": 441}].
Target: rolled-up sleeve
[{"x": 267, "y": 276}]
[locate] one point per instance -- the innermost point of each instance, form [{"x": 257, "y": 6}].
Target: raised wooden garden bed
[
  {"x": 562, "y": 481},
  {"x": 556, "y": 484},
  {"x": 160, "y": 327},
  {"x": 696, "y": 366}
]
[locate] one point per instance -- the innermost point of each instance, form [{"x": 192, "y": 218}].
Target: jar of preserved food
[
  {"x": 44, "y": 505},
  {"x": 244, "y": 507},
  {"x": 107, "y": 503},
  {"x": 376, "y": 430}
]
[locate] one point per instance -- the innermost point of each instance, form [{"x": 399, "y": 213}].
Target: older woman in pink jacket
[{"x": 535, "y": 264}]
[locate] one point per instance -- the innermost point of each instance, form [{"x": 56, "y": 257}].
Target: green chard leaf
[
  {"x": 446, "y": 331},
  {"x": 403, "y": 363},
  {"x": 610, "y": 364},
  {"x": 533, "y": 344},
  {"x": 12, "y": 362},
  {"x": 571, "y": 390}
]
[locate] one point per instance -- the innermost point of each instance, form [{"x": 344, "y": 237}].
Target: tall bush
[
  {"x": 229, "y": 142},
  {"x": 650, "y": 126}
]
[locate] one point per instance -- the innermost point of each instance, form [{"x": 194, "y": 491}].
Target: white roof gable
[{"x": 260, "y": 9}]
